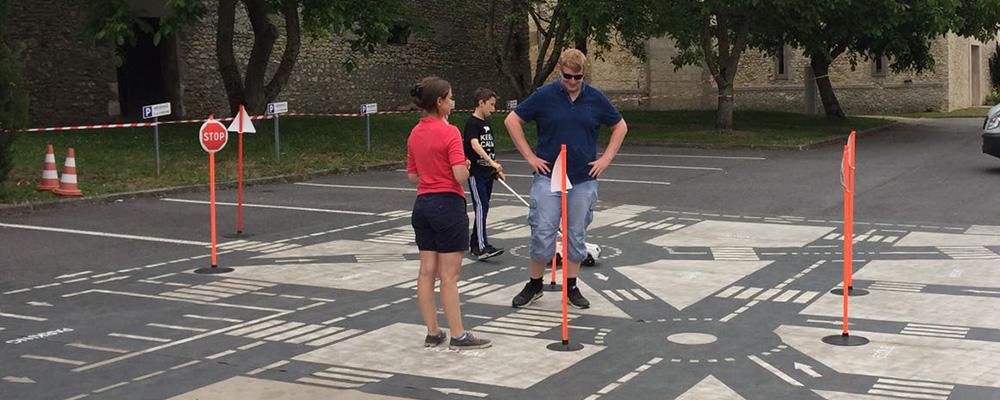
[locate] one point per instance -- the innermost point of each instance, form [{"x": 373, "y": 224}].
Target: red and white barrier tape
[{"x": 263, "y": 117}]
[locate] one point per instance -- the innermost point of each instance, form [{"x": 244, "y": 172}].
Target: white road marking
[
  {"x": 105, "y": 234},
  {"x": 276, "y": 207},
  {"x": 691, "y": 156},
  {"x": 774, "y": 371},
  {"x": 605, "y": 180},
  {"x": 52, "y": 359},
  {"x": 137, "y": 337}
]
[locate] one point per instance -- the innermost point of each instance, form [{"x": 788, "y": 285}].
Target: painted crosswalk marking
[
  {"x": 950, "y": 332},
  {"x": 398, "y": 235},
  {"x": 635, "y": 294},
  {"x": 524, "y": 322},
  {"x": 734, "y": 254},
  {"x": 257, "y": 247},
  {"x": 970, "y": 253},
  {"x": 897, "y": 286},
  {"x": 344, "y": 378},
  {"x": 911, "y": 389}
]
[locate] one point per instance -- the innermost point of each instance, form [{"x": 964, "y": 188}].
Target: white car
[{"x": 991, "y": 132}]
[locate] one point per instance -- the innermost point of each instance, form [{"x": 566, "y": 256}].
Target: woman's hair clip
[{"x": 415, "y": 91}]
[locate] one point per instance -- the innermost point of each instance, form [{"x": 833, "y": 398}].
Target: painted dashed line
[{"x": 625, "y": 378}]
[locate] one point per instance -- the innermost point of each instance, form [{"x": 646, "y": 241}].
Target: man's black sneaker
[
  {"x": 576, "y": 299},
  {"x": 485, "y": 253},
  {"x": 527, "y": 296},
  {"x": 435, "y": 340},
  {"x": 469, "y": 343}
]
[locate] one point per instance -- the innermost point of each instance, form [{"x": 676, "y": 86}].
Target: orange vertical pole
[
  {"x": 565, "y": 246},
  {"x": 239, "y": 168},
  {"x": 851, "y": 143},
  {"x": 847, "y": 231},
  {"x": 211, "y": 180}
]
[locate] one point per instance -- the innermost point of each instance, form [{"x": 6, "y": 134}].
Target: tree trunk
[
  {"x": 231, "y": 80},
  {"x": 821, "y": 67},
  {"x": 724, "y": 114},
  {"x": 293, "y": 42},
  {"x": 581, "y": 40}
]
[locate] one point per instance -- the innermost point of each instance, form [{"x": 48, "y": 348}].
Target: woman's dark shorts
[{"x": 440, "y": 222}]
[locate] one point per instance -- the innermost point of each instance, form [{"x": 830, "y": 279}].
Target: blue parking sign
[{"x": 147, "y": 112}]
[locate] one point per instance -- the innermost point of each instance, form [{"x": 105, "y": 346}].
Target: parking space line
[
  {"x": 648, "y": 166},
  {"x": 104, "y": 234},
  {"x": 270, "y": 206},
  {"x": 691, "y": 156},
  {"x": 604, "y": 180}
]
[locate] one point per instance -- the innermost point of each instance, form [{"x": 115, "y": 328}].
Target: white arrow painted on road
[
  {"x": 807, "y": 369},
  {"x": 16, "y": 379},
  {"x": 601, "y": 276},
  {"x": 980, "y": 291},
  {"x": 39, "y": 304},
  {"x": 460, "y": 392}
]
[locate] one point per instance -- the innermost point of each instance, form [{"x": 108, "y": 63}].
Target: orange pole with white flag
[{"x": 565, "y": 223}]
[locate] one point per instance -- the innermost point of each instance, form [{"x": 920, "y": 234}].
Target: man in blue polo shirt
[{"x": 567, "y": 112}]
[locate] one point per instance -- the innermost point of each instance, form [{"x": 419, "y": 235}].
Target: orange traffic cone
[
  {"x": 67, "y": 184},
  {"x": 50, "y": 177}
]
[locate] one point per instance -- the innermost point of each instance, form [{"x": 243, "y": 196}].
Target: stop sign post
[{"x": 213, "y": 137}]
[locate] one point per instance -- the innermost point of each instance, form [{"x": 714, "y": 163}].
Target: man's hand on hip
[
  {"x": 539, "y": 165},
  {"x": 598, "y": 166}
]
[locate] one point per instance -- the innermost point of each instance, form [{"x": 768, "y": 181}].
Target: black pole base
[
  {"x": 851, "y": 292},
  {"x": 237, "y": 235},
  {"x": 552, "y": 287},
  {"x": 565, "y": 345},
  {"x": 213, "y": 270},
  {"x": 845, "y": 340}
]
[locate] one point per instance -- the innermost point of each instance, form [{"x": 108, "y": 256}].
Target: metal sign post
[{"x": 155, "y": 111}]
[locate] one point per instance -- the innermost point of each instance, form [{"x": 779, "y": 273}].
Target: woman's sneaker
[
  {"x": 469, "y": 342},
  {"x": 435, "y": 340}
]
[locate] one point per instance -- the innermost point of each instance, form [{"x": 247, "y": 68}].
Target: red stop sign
[{"x": 213, "y": 136}]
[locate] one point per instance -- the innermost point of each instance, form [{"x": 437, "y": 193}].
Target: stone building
[
  {"x": 960, "y": 79},
  {"x": 74, "y": 83}
]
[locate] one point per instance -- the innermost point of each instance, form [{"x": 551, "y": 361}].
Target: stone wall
[
  {"x": 320, "y": 83},
  {"x": 859, "y": 90},
  {"x": 70, "y": 81},
  {"x": 73, "y": 83}
]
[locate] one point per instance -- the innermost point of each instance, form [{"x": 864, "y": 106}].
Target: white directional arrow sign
[
  {"x": 39, "y": 304},
  {"x": 460, "y": 392},
  {"x": 601, "y": 276},
  {"x": 807, "y": 369},
  {"x": 18, "y": 379}
]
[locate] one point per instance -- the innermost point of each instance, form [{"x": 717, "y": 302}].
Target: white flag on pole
[
  {"x": 247, "y": 124},
  {"x": 557, "y": 174}
]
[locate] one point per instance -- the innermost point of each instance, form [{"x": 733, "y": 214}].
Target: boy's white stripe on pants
[{"x": 480, "y": 223}]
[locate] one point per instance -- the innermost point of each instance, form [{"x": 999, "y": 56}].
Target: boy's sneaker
[
  {"x": 527, "y": 296},
  {"x": 576, "y": 299},
  {"x": 487, "y": 252},
  {"x": 435, "y": 340},
  {"x": 469, "y": 342}
]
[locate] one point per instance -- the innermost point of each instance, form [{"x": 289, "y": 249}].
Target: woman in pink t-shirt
[{"x": 436, "y": 163}]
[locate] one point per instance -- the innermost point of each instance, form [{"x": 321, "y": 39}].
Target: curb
[{"x": 20, "y": 209}]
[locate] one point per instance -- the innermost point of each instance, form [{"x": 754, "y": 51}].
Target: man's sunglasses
[{"x": 571, "y": 76}]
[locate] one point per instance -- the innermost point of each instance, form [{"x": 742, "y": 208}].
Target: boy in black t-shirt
[{"x": 478, "y": 140}]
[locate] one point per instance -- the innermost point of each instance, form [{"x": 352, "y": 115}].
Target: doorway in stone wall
[
  {"x": 975, "y": 60},
  {"x": 146, "y": 75}
]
